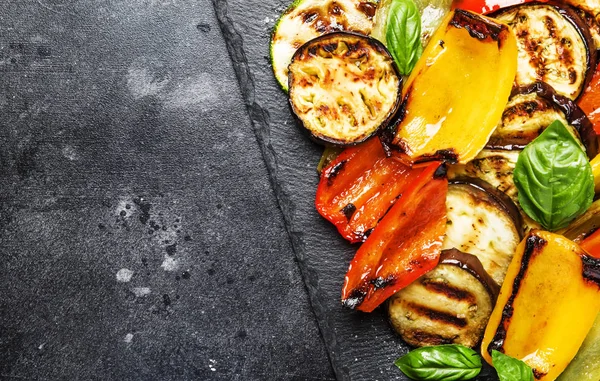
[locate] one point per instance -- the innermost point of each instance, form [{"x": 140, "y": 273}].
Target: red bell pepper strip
[
  {"x": 484, "y": 6},
  {"x": 590, "y": 100},
  {"x": 359, "y": 187},
  {"x": 405, "y": 244},
  {"x": 591, "y": 244}
]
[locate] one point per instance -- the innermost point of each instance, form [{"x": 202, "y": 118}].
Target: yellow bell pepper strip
[
  {"x": 586, "y": 365},
  {"x": 547, "y": 304},
  {"x": 455, "y": 95},
  {"x": 595, "y": 163}
]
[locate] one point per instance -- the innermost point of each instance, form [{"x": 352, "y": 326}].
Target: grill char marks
[
  {"x": 555, "y": 45},
  {"x": 533, "y": 245},
  {"x": 440, "y": 316}
]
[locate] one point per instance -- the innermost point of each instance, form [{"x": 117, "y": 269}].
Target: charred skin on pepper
[
  {"x": 404, "y": 245},
  {"x": 533, "y": 245},
  {"x": 433, "y": 114}
]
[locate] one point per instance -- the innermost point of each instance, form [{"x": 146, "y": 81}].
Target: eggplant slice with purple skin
[
  {"x": 344, "y": 87},
  {"x": 555, "y": 46},
  {"x": 452, "y": 303},
  {"x": 534, "y": 107}
]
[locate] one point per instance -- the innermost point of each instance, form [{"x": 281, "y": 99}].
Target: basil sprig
[
  {"x": 511, "y": 369},
  {"x": 398, "y": 26},
  {"x": 554, "y": 178},
  {"x": 442, "y": 362}
]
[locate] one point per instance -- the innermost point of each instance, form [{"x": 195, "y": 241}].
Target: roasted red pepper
[
  {"x": 405, "y": 244},
  {"x": 591, "y": 244},
  {"x": 484, "y": 6},
  {"x": 590, "y": 100},
  {"x": 360, "y": 186}
]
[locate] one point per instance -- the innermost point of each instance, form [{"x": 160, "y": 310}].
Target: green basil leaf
[
  {"x": 442, "y": 362},
  {"x": 554, "y": 178},
  {"x": 403, "y": 34},
  {"x": 511, "y": 369}
]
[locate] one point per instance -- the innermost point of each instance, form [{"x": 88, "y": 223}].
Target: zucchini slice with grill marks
[
  {"x": 343, "y": 87},
  {"x": 307, "y": 19},
  {"x": 555, "y": 46}
]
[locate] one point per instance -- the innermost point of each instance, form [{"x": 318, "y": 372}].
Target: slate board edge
[{"x": 260, "y": 122}]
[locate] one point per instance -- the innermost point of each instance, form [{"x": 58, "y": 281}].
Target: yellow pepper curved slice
[
  {"x": 455, "y": 95},
  {"x": 547, "y": 304}
]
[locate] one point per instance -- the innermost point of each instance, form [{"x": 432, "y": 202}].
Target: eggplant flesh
[
  {"x": 453, "y": 302},
  {"x": 448, "y": 305},
  {"x": 555, "y": 46},
  {"x": 534, "y": 107},
  {"x": 485, "y": 225},
  {"x": 494, "y": 166},
  {"x": 343, "y": 87},
  {"x": 307, "y": 19}
]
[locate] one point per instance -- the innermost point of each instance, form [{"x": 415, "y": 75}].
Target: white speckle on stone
[
  {"x": 202, "y": 92},
  {"x": 70, "y": 153},
  {"x": 41, "y": 346},
  {"x": 128, "y": 338},
  {"x": 170, "y": 263},
  {"x": 141, "y": 291},
  {"x": 211, "y": 364},
  {"x": 124, "y": 275},
  {"x": 141, "y": 82}
]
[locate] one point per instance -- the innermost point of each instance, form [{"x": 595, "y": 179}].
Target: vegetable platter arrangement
[{"x": 461, "y": 156}]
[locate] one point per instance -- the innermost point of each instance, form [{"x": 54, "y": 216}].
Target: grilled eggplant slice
[
  {"x": 307, "y": 19},
  {"x": 555, "y": 46},
  {"x": 484, "y": 222},
  {"x": 449, "y": 305},
  {"x": 494, "y": 166},
  {"x": 534, "y": 107},
  {"x": 343, "y": 87}
]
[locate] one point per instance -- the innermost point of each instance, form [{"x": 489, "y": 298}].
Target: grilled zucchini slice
[
  {"x": 555, "y": 46},
  {"x": 307, "y": 19},
  {"x": 343, "y": 87},
  {"x": 449, "y": 305}
]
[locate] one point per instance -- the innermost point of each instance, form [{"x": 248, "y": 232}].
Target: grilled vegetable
[
  {"x": 534, "y": 107},
  {"x": 343, "y": 87},
  {"x": 586, "y": 364},
  {"x": 484, "y": 6},
  {"x": 590, "y": 100},
  {"x": 437, "y": 119},
  {"x": 484, "y": 222},
  {"x": 404, "y": 245},
  {"x": 307, "y": 19},
  {"x": 584, "y": 225},
  {"x": 547, "y": 304},
  {"x": 494, "y": 166},
  {"x": 591, "y": 244},
  {"x": 360, "y": 186},
  {"x": 555, "y": 46},
  {"x": 329, "y": 154},
  {"x": 451, "y": 304}
]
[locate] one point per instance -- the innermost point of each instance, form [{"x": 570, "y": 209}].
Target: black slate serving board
[
  {"x": 361, "y": 346},
  {"x": 139, "y": 235}
]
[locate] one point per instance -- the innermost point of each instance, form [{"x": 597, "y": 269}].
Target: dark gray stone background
[
  {"x": 361, "y": 346},
  {"x": 125, "y": 144}
]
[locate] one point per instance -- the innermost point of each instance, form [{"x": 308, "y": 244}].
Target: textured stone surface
[
  {"x": 139, "y": 233},
  {"x": 361, "y": 346}
]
